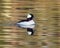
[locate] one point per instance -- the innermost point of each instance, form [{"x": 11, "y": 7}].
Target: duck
[{"x": 28, "y": 24}]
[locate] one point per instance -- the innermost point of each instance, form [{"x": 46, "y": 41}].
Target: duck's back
[{"x": 27, "y": 22}]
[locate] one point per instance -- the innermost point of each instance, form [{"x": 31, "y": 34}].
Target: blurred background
[{"x": 47, "y": 18}]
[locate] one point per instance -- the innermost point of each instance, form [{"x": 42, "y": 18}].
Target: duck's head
[{"x": 30, "y": 16}]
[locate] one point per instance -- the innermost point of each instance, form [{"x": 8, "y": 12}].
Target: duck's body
[{"x": 29, "y": 24}]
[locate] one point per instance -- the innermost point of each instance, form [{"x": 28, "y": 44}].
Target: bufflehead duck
[{"x": 29, "y": 24}]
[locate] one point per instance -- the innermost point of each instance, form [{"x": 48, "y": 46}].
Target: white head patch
[
  {"x": 28, "y": 16},
  {"x": 29, "y": 33}
]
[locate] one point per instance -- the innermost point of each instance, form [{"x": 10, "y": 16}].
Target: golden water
[{"x": 47, "y": 18}]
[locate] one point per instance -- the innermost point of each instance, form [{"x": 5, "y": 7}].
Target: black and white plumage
[{"x": 29, "y": 24}]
